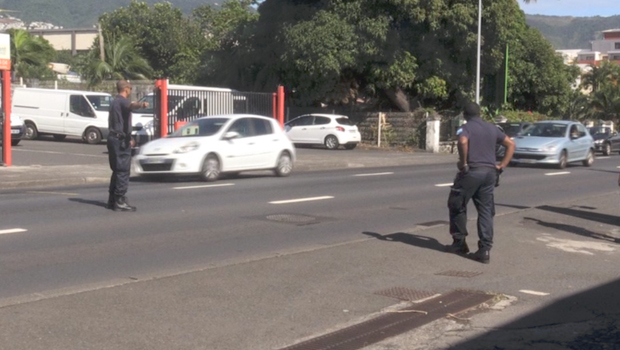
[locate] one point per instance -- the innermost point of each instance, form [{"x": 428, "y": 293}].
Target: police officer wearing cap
[
  {"x": 119, "y": 146},
  {"x": 477, "y": 178}
]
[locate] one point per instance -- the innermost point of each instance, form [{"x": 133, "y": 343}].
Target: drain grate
[
  {"x": 405, "y": 294},
  {"x": 434, "y": 223},
  {"x": 392, "y": 324},
  {"x": 296, "y": 219},
  {"x": 457, "y": 273}
]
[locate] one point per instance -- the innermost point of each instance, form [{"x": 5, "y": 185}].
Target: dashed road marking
[
  {"x": 558, "y": 173},
  {"x": 533, "y": 292},
  {"x": 299, "y": 200},
  {"x": 374, "y": 174},
  {"x": 444, "y": 185},
  {"x": 12, "y": 230},
  {"x": 51, "y": 192},
  {"x": 602, "y": 157},
  {"x": 202, "y": 186}
]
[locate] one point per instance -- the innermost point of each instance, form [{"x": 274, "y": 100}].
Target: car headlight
[
  {"x": 550, "y": 148},
  {"x": 598, "y": 141},
  {"x": 192, "y": 146}
]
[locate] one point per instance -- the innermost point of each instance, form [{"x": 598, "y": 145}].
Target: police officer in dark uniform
[
  {"x": 119, "y": 146},
  {"x": 477, "y": 178}
]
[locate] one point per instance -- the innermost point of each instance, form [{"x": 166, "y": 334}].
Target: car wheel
[
  {"x": 92, "y": 136},
  {"x": 563, "y": 161},
  {"x": 58, "y": 137},
  {"x": 14, "y": 142},
  {"x": 285, "y": 165},
  {"x": 607, "y": 149},
  {"x": 350, "y": 146},
  {"x": 589, "y": 159},
  {"x": 331, "y": 142},
  {"x": 211, "y": 168},
  {"x": 31, "y": 132}
]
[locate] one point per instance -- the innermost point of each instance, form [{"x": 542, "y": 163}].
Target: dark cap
[
  {"x": 122, "y": 85},
  {"x": 471, "y": 109}
]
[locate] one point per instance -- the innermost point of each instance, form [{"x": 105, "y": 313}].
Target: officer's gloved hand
[{"x": 463, "y": 168}]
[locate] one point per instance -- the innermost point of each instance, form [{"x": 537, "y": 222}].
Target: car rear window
[{"x": 344, "y": 121}]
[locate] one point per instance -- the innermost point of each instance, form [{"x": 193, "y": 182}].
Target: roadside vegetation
[{"x": 359, "y": 55}]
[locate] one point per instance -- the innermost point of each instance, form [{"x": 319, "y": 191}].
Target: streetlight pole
[{"x": 478, "y": 56}]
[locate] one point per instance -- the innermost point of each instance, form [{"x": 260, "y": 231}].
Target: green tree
[
  {"x": 30, "y": 55},
  {"x": 121, "y": 61},
  {"x": 169, "y": 41}
]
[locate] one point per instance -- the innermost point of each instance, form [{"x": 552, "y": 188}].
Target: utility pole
[
  {"x": 478, "y": 56},
  {"x": 101, "y": 46}
]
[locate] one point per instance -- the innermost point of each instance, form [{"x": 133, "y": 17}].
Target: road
[{"x": 69, "y": 240}]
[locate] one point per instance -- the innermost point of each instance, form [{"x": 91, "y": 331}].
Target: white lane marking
[
  {"x": 602, "y": 157},
  {"x": 444, "y": 185},
  {"x": 55, "y": 152},
  {"x": 202, "y": 186},
  {"x": 573, "y": 246},
  {"x": 558, "y": 173},
  {"x": 375, "y": 174},
  {"x": 533, "y": 292},
  {"x": 12, "y": 230},
  {"x": 299, "y": 200},
  {"x": 49, "y": 192}
]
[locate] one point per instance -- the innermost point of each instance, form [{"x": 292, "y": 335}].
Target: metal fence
[{"x": 189, "y": 103}]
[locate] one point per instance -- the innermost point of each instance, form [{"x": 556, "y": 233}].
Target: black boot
[
  {"x": 459, "y": 246},
  {"x": 483, "y": 255},
  {"x": 120, "y": 204},
  {"x": 110, "y": 203}
]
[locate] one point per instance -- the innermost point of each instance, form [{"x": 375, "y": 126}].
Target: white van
[
  {"x": 63, "y": 113},
  {"x": 185, "y": 103}
]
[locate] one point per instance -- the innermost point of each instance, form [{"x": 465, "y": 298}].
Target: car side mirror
[{"x": 231, "y": 135}]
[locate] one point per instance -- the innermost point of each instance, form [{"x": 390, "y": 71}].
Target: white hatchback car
[
  {"x": 330, "y": 130},
  {"x": 213, "y": 145}
]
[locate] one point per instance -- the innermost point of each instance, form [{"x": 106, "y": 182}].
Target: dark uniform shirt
[
  {"x": 483, "y": 137},
  {"x": 119, "y": 119}
]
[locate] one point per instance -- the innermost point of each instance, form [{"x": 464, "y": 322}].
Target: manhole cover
[
  {"x": 406, "y": 294},
  {"x": 456, "y": 273},
  {"x": 293, "y": 219}
]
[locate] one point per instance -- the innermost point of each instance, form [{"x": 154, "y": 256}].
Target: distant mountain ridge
[
  {"x": 80, "y": 13},
  {"x": 572, "y": 32}
]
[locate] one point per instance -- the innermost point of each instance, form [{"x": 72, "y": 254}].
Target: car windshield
[
  {"x": 100, "y": 103},
  {"x": 546, "y": 130},
  {"x": 201, "y": 127},
  {"x": 599, "y": 131},
  {"x": 510, "y": 129}
]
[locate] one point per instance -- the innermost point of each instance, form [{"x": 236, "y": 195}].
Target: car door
[
  {"x": 580, "y": 142},
  {"x": 240, "y": 152},
  {"x": 266, "y": 143},
  {"x": 319, "y": 129},
  {"x": 81, "y": 114},
  {"x": 297, "y": 129}
]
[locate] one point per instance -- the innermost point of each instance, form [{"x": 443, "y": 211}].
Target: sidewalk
[
  {"x": 15, "y": 177},
  {"x": 273, "y": 302}
]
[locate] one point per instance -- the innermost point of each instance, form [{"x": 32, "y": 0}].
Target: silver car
[{"x": 556, "y": 142}]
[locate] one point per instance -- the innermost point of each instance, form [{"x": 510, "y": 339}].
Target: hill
[
  {"x": 572, "y": 32},
  {"x": 80, "y": 13}
]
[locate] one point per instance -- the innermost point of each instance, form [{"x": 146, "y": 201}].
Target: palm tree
[
  {"x": 599, "y": 76},
  {"x": 122, "y": 61},
  {"x": 29, "y": 53}
]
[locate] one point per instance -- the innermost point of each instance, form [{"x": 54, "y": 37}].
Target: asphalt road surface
[{"x": 64, "y": 238}]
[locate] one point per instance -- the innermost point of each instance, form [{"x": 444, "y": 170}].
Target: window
[
  {"x": 243, "y": 127},
  {"x": 201, "y": 127},
  {"x": 100, "y": 103},
  {"x": 302, "y": 121},
  {"x": 321, "y": 120},
  {"x": 344, "y": 121},
  {"x": 617, "y": 45},
  {"x": 80, "y": 106},
  {"x": 261, "y": 127}
]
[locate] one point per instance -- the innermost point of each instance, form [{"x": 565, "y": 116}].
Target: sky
[{"x": 575, "y": 8}]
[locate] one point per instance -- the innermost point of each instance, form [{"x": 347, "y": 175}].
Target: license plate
[
  {"x": 14, "y": 131},
  {"x": 155, "y": 160},
  {"x": 528, "y": 161}
]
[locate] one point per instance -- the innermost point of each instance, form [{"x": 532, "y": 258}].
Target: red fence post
[
  {"x": 162, "y": 84},
  {"x": 281, "y": 105},
  {"x": 6, "y": 105}
]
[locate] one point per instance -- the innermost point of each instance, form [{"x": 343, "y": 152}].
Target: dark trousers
[
  {"x": 119, "y": 155},
  {"x": 477, "y": 184}
]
